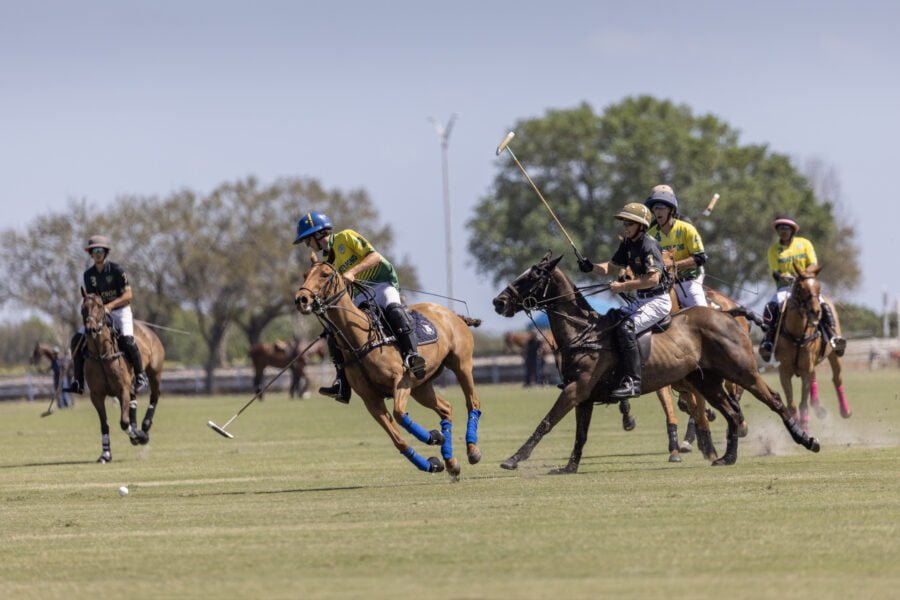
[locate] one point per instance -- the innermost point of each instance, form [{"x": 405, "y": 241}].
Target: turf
[{"x": 310, "y": 500}]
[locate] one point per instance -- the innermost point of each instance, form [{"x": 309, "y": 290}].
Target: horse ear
[
  {"x": 547, "y": 256},
  {"x": 552, "y": 264},
  {"x": 313, "y": 257}
]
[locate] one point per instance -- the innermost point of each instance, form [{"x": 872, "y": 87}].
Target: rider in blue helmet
[
  {"x": 373, "y": 278},
  {"x": 681, "y": 239}
]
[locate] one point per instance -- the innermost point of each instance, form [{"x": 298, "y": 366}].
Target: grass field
[{"x": 311, "y": 501}]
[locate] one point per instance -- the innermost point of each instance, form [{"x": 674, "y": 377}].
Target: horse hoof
[
  {"x": 685, "y": 447},
  {"x": 569, "y": 469},
  {"x": 435, "y": 465},
  {"x": 710, "y": 415},
  {"x": 435, "y": 438},
  {"x": 846, "y": 413},
  {"x": 743, "y": 429},
  {"x": 628, "y": 422},
  {"x": 474, "y": 454},
  {"x": 105, "y": 458},
  {"x": 814, "y": 444},
  {"x": 724, "y": 461},
  {"x": 675, "y": 457},
  {"x": 143, "y": 437},
  {"x": 453, "y": 469},
  {"x": 510, "y": 464}
]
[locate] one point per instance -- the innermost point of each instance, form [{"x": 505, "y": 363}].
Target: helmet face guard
[
  {"x": 785, "y": 220},
  {"x": 310, "y": 224},
  {"x": 635, "y": 211},
  {"x": 662, "y": 194},
  {"x": 97, "y": 241}
]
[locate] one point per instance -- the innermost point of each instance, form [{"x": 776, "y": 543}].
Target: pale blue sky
[{"x": 102, "y": 98}]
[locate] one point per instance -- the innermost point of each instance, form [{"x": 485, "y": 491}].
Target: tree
[{"x": 588, "y": 166}]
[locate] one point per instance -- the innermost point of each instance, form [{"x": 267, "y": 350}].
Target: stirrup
[
  {"x": 765, "y": 351},
  {"x": 337, "y": 391},
  {"x": 627, "y": 389},
  {"x": 415, "y": 364},
  {"x": 75, "y": 388},
  {"x": 839, "y": 345},
  {"x": 140, "y": 383}
]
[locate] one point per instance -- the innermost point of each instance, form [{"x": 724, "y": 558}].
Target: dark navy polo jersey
[{"x": 109, "y": 284}]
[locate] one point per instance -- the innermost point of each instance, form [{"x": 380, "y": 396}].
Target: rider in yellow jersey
[
  {"x": 683, "y": 241},
  {"x": 792, "y": 252},
  {"x": 373, "y": 278}
]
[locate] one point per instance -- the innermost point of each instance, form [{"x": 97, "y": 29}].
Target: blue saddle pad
[{"x": 426, "y": 332}]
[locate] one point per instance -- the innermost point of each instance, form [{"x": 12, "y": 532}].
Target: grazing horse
[
  {"x": 375, "y": 370},
  {"x": 801, "y": 346},
  {"x": 280, "y": 354},
  {"x": 108, "y": 373},
  {"x": 701, "y": 346}
]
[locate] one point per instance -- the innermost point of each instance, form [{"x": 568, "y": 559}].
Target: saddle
[{"x": 426, "y": 332}]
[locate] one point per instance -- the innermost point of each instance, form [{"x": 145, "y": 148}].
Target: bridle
[
  {"x": 94, "y": 325},
  {"x": 321, "y": 305},
  {"x": 802, "y": 298}
]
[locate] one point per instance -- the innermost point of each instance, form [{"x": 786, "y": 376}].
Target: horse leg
[
  {"x": 129, "y": 416},
  {"x": 463, "y": 371},
  {"x": 805, "y": 388},
  {"x": 429, "y": 398},
  {"x": 814, "y": 398},
  {"x": 665, "y": 400},
  {"x": 99, "y": 402},
  {"x": 785, "y": 372},
  {"x": 695, "y": 405},
  {"x": 583, "y": 414},
  {"x": 375, "y": 405},
  {"x": 147, "y": 423},
  {"x": 735, "y": 392},
  {"x": 577, "y": 391},
  {"x": 628, "y": 422},
  {"x": 710, "y": 386},
  {"x": 838, "y": 382}
]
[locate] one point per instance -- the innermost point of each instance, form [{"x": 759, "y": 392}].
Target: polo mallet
[
  {"x": 711, "y": 205},
  {"x": 504, "y": 145},
  {"x": 223, "y": 429},
  {"x": 49, "y": 410}
]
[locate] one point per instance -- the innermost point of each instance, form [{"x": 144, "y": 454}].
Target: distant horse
[
  {"x": 701, "y": 346},
  {"x": 801, "y": 346},
  {"x": 516, "y": 341},
  {"x": 108, "y": 373},
  {"x": 375, "y": 370},
  {"x": 280, "y": 354}
]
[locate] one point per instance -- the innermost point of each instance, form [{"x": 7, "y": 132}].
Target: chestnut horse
[
  {"x": 375, "y": 370},
  {"x": 701, "y": 346},
  {"x": 108, "y": 373},
  {"x": 279, "y": 354},
  {"x": 800, "y": 346}
]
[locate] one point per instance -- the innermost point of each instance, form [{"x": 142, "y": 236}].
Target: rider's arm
[
  {"x": 370, "y": 261},
  {"x": 122, "y": 300},
  {"x": 645, "y": 281}
]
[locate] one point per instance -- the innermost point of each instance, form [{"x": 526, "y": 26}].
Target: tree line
[{"x": 216, "y": 264}]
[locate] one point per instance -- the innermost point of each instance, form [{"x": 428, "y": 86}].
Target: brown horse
[
  {"x": 280, "y": 354},
  {"x": 701, "y": 346},
  {"x": 375, "y": 370},
  {"x": 108, "y": 373},
  {"x": 800, "y": 346},
  {"x": 516, "y": 341}
]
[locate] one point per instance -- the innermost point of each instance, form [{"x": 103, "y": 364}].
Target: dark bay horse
[
  {"x": 279, "y": 354},
  {"x": 800, "y": 346},
  {"x": 375, "y": 370},
  {"x": 701, "y": 346},
  {"x": 108, "y": 373}
]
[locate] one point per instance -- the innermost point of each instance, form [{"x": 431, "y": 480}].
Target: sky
[{"x": 99, "y": 99}]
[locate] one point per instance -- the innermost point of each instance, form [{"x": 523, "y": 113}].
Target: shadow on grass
[{"x": 60, "y": 463}]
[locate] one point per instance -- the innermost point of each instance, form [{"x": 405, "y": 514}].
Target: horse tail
[
  {"x": 469, "y": 321},
  {"x": 742, "y": 311}
]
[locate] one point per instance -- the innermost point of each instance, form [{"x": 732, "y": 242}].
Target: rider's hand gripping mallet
[
  {"x": 223, "y": 429},
  {"x": 504, "y": 145}
]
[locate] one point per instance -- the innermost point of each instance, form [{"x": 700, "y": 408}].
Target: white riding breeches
[
  {"x": 384, "y": 295},
  {"x": 649, "y": 311},
  {"x": 690, "y": 293}
]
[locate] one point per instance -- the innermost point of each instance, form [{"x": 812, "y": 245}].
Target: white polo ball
[{"x": 123, "y": 491}]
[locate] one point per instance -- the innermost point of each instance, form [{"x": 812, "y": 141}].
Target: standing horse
[
  {"x": 280, "y": 354},
  {"x": 108, "y": 373},
  {"x": 701, "y": 345},
  {"x": 375, "y": 370},
  {"x": 801, "y": 346}
]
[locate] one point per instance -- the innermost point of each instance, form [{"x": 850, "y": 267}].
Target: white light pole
[{"x": 443, "y": 132}]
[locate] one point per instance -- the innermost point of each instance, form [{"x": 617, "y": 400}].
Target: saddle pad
[{"x": 426, "y": 332}]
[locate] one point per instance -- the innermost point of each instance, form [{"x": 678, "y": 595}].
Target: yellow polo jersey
[
  {"x": 682, "y": 241},
  {"x": 348, "y": 248},
  {"x": 799, "y": 253}
]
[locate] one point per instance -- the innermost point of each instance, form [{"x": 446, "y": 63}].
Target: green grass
[{"x": 311, "y": 501}]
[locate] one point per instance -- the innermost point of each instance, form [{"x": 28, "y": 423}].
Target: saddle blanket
[{"x": 426, "y": 332}]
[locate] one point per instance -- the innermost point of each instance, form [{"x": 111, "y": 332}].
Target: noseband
[{"x": 320, "y": 305}]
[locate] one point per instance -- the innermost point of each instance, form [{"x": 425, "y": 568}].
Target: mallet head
[
  {"x": 711, "y": 205},
  {"x": 219, "y": 430},
  {"x": 505, "y": 142}
]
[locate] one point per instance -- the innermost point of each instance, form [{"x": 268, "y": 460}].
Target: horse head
[
  {"x": 93, "y": 315},
  {"x": 529, "y": 289},
  {"x": 805, "y": 293},
  {"x": 322, "y": 287}
]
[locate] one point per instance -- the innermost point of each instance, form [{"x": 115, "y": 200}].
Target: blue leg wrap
[
  {"x": 447, "y": 446},
  {"x": 415, "y": 429},
  {"x": 472, "y": 427},
  {"x": 417, "y": 459}
]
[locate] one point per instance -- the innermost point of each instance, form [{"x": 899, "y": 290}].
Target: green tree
[{"x": 588, "y": 166}]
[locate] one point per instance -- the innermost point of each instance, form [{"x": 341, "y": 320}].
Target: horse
[
  {"x": 701, "y": 346},
  {"x": 800, "y": 346},
  {"x": 279, "y": 354},
  {"x": 517, "y": 342},
  {"x": 375, "y": 370},
  {"x": 108, "y": 373}
]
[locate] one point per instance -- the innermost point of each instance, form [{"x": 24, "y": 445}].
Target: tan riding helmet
[
  {"x": 97, "y": 241},
  {"x": 635, "y": 211},
  {"x": 662, "y": 188}
]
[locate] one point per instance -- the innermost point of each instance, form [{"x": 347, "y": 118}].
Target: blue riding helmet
[
  {"x": 311, "y": 223},
  {"x": 662, "y": 197}
]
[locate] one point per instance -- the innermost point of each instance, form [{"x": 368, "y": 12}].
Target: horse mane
[{"x": 567, "y": 288}]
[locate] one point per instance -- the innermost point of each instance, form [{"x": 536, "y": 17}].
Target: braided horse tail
[
  {"x": 469, "y": 321},
  {"x": 742, "y": 311}
]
